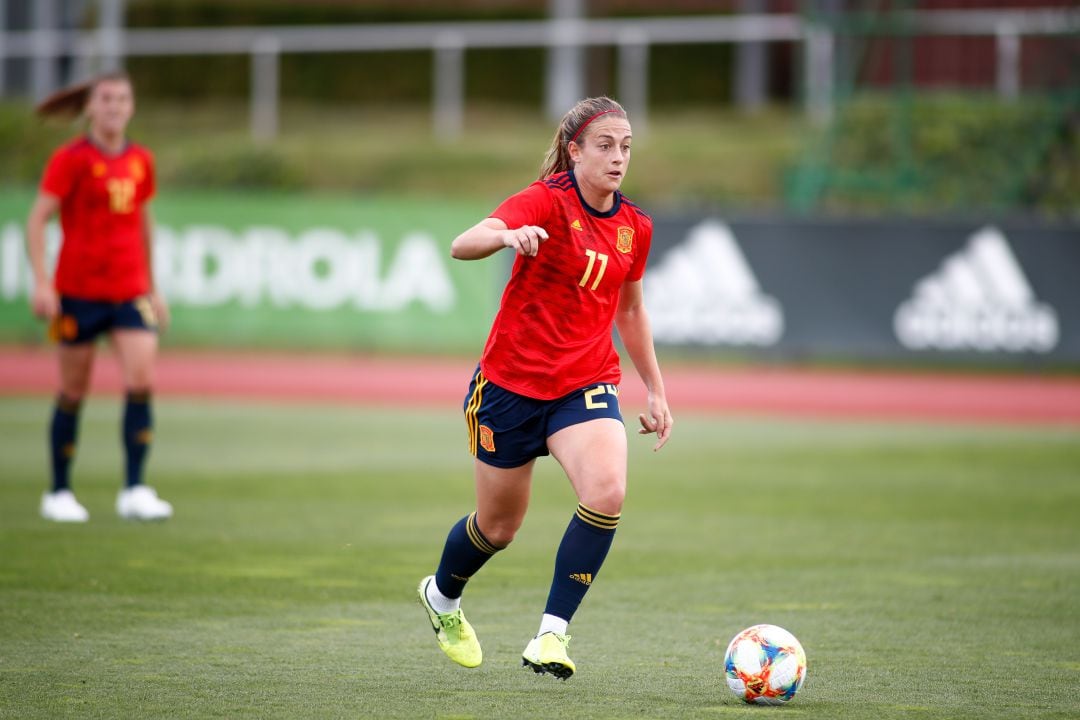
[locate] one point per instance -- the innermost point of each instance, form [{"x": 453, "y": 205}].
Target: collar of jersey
[
  {"x": 589, "y": 208},
  {"x": 102, "y": 151}
]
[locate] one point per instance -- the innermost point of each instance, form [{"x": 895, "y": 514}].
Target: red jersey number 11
[
  {"x": 593, "y": 256},
  {"x": 121, "y": 195}
]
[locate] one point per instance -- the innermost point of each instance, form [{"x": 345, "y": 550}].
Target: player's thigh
[
  {"x": 506, "y": 430},
  {"x": 593, "y": 454},
  {"x": 136, "y": 350},
  {"x": 76, "y": 365},
  {"x": 502, "y": 498}
]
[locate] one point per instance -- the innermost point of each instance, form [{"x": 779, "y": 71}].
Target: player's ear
[{"x": 574, "y": 151}]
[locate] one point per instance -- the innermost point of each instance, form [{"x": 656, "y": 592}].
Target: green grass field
[{"x": 929, "y": 571}]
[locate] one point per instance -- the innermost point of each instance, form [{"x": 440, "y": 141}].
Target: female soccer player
[
  {"x": 547, "y": 382},
  {"x": 100, "y": 184}
]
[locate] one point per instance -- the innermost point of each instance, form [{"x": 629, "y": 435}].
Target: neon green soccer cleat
[
  {"x": 547, "y": 654},
  {"x": 452, "y": 630}
]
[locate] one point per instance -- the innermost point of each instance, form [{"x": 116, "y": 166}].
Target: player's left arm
[
  {"x": 157, "y": 300},
  {"x": 632, "y": 322}
]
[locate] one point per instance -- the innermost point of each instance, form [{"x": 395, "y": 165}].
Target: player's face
[
  {"x": 111, "y": 106},
  {"x": 602, "y": 158}
]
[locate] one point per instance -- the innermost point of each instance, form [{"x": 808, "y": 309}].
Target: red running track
[{"x": 1021, "y": 399}]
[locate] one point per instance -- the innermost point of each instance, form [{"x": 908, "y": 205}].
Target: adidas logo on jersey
[
  {"x": 576, "y": 224},
  {"x": 979, "y": 299},
  {"x": 583, "y": 578},
  {"x": 703, "y": 291}
]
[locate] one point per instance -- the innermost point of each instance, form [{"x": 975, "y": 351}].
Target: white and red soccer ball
[{"x": 765, "y": 665}]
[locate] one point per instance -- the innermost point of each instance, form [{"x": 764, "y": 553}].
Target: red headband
[{"x": 586, "y": 123}]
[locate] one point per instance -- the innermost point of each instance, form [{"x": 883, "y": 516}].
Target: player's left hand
[
  {"x": 658, "y": 421},
  {"x": 161, "y": 310}
]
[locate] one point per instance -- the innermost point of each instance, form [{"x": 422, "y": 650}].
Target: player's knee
[
  {"x": 75, "y": 392},
  {"x": 500, "y": 532},
  {"x": 502, "y": 535},
  {"x": 606, "y": 497},
  {"x": 142, "y": 378}
]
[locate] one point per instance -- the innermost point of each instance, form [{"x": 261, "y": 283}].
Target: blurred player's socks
[
  {"x": 62, "y": 434},
  {"x": 582, "y": 551},
  {"x": 465, "y": 552},
  {"x": 138, "y": 432}
]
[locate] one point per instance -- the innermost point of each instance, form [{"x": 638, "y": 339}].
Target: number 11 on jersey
[{"x": 593, "y": 255}]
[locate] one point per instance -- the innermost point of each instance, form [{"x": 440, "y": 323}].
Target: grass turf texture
[{"x": 929, "y": 572}]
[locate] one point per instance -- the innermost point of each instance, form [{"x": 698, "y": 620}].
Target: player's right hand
[
  {"x": 45, "y": 303},
  {"x": 525, "y": 240}
]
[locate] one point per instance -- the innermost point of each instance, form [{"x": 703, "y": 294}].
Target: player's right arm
[
  {"x": 44, "y": 302},
  {"x": 491, "y": 235}
]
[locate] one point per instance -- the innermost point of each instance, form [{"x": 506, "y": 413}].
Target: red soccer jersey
[
  {"x": 552, "y": 334},
  {"x": 102, "y": 198}
]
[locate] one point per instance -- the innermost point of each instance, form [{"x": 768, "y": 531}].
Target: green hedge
[
  {"x": 968, "y": 153},
  {"x": 946, "y": 153},
  {"x": 693, "y": 157}
]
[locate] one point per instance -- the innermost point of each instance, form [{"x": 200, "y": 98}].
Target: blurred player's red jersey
[
  {"x": 102, "y": 198},
  {"x": 552, "y": 334}
]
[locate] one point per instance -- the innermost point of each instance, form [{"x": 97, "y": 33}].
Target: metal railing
[{"x": 448, "y": 42}]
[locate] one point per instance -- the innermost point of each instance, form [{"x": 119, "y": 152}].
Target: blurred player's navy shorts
[{"x": 81, "y": 321}]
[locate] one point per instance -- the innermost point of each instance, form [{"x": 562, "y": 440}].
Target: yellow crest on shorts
[
  {"x": 487, "y": 438},
  {"x": 624, "y": 240}
]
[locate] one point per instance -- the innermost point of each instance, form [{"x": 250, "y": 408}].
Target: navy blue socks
[
  {"x": 582, "y": 551},
  {"x": 138, "y": 433},
  {"x": 584, "y": 547},
  {"x": 465, "y": 552},
  {"x": 62, "y": 435}
]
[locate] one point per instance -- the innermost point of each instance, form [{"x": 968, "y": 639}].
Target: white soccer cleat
[
  {"x": 61, "y": 506},
  {"x": 141, "y": 502}
]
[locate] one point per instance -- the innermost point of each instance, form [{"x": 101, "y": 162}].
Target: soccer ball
[{"x": 765, "y": 664}]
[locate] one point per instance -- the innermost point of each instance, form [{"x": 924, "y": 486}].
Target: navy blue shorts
[
  {"x": 508, "y": 430},
  {"x": 81, "y": 321}
]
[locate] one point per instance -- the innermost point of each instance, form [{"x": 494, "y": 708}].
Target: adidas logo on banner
[
  {"x": 705, "y": 292},
  {"x": 979, "y": 299}
]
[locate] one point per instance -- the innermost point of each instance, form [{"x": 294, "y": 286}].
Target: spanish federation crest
[
  {"x": 487, "y": 438},
  {"x": 624, "y": 241},
  {"x": 138, "y": 170}
]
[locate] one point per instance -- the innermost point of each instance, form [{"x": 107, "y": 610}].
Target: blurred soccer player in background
[
  {"x": 100, "y": 184},
  {"x": 547, "y": 381}
]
